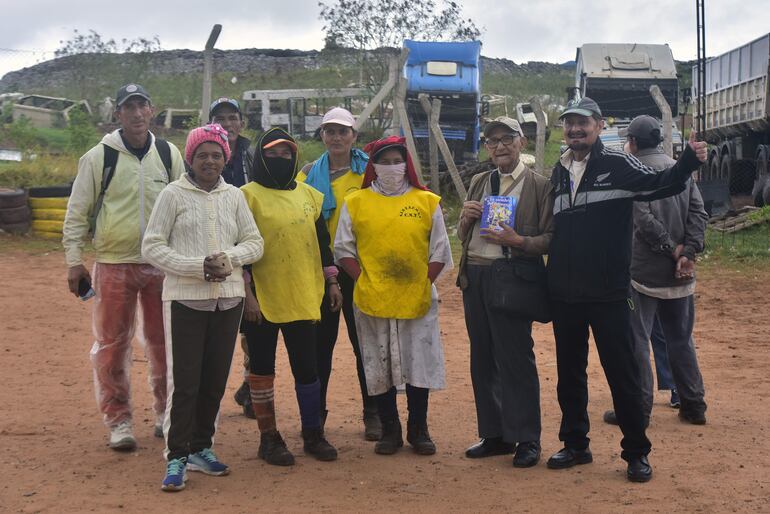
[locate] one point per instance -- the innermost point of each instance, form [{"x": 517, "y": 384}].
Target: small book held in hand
[{"x": 497, "y": 210}]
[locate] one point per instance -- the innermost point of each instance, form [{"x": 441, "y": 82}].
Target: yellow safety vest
[
  {"x": 341, "y": 187},
  {"x": 289, "y": 279},
  {"x": 393, "y": 243}
]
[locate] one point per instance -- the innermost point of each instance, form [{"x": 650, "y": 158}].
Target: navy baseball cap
[
  {"x": 224, "y": 101},
  {"x": 129, "y": 90},
  {"x": 582, "y": 107}
]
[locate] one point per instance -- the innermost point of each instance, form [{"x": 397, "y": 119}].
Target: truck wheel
[
  {"x": 10, "y": 198},
  {"x": 742, "y": 173},
  {"x": 762, "y": 179},
  {"x": 713, "y": 169},
  {"x": 14, "y": 215},
  {"x": 15, "y": 228}
]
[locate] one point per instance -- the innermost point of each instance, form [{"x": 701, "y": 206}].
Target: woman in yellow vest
[
  {"x": 288, "y": 288},
  {"x": 338, "y": 172},
  {"x": 392, "y": 240}
]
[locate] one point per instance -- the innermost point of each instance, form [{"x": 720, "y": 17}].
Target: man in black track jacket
[{"x": 589, "y": 280}]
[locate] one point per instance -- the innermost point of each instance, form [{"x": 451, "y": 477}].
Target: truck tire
[
  {"x": 49, "y": 214},
  {"x": 742, "y": 174},
  {"x": 10, "y": 198},
  {"x": 762, "y": 180},
  {"x": 14, "y": 215},
  {"x": 15, "y": 228},
  {"x": 50, "y": 191},
  {"x": 713, "y": 169},
  {"x": 48, "y": 226},
  {"x": 48, "y": 203}
]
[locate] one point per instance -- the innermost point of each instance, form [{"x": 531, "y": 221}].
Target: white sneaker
[{"x": 122, "y": 437}]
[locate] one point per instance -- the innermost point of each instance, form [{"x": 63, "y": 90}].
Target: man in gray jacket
[{"x": 668, "y": 233}]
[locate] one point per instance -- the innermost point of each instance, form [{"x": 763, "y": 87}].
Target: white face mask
[{"x": 390, "y": 177}]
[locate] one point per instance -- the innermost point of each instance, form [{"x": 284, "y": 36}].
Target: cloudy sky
[{"x": 544, "y": 30}]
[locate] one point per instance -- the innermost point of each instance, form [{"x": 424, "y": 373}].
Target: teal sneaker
[
  {"x": 176, "y": 475},
  {"x": 206, "y": 462}
]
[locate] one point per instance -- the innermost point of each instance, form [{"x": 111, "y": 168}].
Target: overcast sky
[{"x": 544, "y": 30}]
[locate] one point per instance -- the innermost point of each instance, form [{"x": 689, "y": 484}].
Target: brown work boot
[
  {"x": 273, "y": 450},
  {"x": 419, "y": 438},
  {"x": 317, "y": 446},
  {"x": 391, "y": 439}
]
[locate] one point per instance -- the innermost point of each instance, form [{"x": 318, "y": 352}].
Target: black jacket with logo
[{"x": 590, "y": 251}]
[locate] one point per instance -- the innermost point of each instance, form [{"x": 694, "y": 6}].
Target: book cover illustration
[{"x": 497, "y": 210}]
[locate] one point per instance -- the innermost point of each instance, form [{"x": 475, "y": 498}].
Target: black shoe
[
  {"x": 610, "y": 418},
  {"x": 243, "y": 398},
  {"x": 273, "y": 450},
  {"x": 489, "y": 447},
  {"x": 694, "y": 417},
  {"x": 568, "y": 457},
  {"x": 639, "y": 469},
  {"x": 527, "y": 454},
  {"x": 317, "y": 446},
  {"x": 391, "y": 439},
  {"x": 324, "y": 415},
  {"x": 372, "y": 425},
  {"x": 417, "y": 435}
]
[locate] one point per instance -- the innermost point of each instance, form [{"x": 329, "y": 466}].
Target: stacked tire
[
  {"x": 49, "y": 205},
  {"x": 14, "y": 211}
]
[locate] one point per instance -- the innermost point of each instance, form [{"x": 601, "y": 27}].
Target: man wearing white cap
[{"x": 338, "y": 172}]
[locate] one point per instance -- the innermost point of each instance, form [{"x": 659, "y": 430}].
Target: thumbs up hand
[{"x": 699, "y": 147}]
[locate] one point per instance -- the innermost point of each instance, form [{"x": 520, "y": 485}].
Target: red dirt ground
[{"x": 55, "y": 458}]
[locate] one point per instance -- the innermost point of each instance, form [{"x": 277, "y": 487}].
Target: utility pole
[{"x": 208, "y": 58}]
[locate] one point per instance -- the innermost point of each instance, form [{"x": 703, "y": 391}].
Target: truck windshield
[{"x": 442, "y": 68}]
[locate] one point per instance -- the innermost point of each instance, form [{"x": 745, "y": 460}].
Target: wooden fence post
[
  {"x": 442, "y": 146},
  {"x": 665, "y": 110},
  {"x": 534, "y": 102}
]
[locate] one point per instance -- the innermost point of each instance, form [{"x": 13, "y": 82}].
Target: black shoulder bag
[{"x": 521, "y": 288}]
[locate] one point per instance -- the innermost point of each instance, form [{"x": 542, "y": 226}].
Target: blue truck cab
[{"x": 451, "y": 72}]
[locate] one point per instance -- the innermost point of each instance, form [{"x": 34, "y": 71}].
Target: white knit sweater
[{"x": 187, "y": 225}]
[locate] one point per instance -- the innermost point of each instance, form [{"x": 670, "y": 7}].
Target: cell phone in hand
[{"x": 85, "y": 291}]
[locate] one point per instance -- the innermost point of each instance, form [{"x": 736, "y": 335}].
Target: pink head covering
[{"x": 211, "y": 133}]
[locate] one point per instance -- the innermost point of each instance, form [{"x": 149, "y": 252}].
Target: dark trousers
[
  {"x": 326, "y": 337},
  {"x": 202, "y": 345},
  {"x": 300, "y": 340},
  {"x": 610, "y": 325},
  {"x": 503, "y": 370},
  {"x": 662, "y": 367},
  {"x": 416, "y": 403},
  {"x": 677, "y": 317}
]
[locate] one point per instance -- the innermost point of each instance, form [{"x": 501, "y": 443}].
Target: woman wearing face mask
[
  {"x": 392, "y": 240},
  {"x": 289, "y": 285},
  {"x": 337, "y": 173},
  {"x": 200, "y": 233}
]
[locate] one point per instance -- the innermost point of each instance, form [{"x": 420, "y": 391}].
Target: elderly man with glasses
[{"x": 503, "y": 371}]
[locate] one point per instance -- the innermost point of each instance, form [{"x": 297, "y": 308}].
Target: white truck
[
  {"x": 618, "y": 77},
  {"x": 737, "y": 118}
]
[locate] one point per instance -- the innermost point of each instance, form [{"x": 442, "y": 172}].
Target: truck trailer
[
  {"x": 451, "y": 72},
  {"x": 737, "y": 118},
  {"x": 618, "y": 77}
]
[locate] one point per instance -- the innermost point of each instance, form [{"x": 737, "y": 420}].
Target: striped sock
[{"x": 262, "y": 400}]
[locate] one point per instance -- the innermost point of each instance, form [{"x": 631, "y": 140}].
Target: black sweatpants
[
  {"x": 326, "y": 337},
  {"x": 202, "y": 345},
  {"x": 610, "y": 324},
  {"x": 300, "y": 340}
]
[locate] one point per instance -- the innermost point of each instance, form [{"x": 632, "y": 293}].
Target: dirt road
[{"x": 55, "y": 458}]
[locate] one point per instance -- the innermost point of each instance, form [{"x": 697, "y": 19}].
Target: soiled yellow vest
[
  {"x": 288, "y": 279},
  {"x": 343, "y": 186},
  {"x": 393, "y": 242}
]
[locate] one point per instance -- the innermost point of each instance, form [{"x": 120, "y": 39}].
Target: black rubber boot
[
  {"x": 317, "y": 446},
  {"x": 372, "y": 424},
  {"x": 391, "y": 439},
  {"x": 273, "y": 450},
  {"x": 419, "y": 438},
  {"x": 243, "y": 398}
]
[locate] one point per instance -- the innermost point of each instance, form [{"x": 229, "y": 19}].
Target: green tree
[
  {"x": 81, "y": 132},
  {"x": 93, "y": 43}
]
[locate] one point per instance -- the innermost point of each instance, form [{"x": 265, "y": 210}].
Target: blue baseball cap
[{"x": 224, "y": 101}]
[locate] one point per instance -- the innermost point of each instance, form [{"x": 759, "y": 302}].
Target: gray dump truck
[
  {"x": 618, "y": 77},
  {"x": 737, "y": 119}
]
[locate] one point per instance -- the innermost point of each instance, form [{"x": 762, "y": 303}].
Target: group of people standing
[{"x": 236, "y": 238}]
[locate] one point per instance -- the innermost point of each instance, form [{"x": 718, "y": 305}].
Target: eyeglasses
[{"x": 506, "y": 140}]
